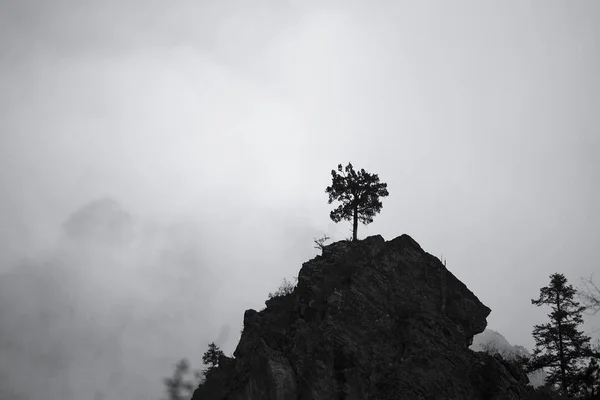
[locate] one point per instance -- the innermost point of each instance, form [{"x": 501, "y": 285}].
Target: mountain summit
[{"x": 368, "y": 320}]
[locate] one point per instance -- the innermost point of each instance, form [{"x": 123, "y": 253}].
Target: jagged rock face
[{"x": 366, "y": 321}]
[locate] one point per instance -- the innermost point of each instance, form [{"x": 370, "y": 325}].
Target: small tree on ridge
[
  {"x": 211, "y": 357},
  {"x": 359, "y": 193}
]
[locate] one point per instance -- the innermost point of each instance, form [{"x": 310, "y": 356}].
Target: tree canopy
[{"x": 359, "y": 193}]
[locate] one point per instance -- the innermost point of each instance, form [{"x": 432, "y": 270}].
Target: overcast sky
[{"x": 215, "y": 124}]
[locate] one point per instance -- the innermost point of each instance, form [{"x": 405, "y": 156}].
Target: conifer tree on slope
[
  {"x": 559, "y": 346},
  {"x": 359, "y": 194},
  {"x": 211, "y": 357}
]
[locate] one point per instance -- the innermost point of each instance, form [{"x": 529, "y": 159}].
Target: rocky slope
[{"x": 367, "y": 320}]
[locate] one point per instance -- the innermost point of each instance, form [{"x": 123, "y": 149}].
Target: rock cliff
[{"x": 368, "y": 320}]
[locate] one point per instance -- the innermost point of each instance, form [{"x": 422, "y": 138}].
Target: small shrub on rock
[{"x": 285, "y": 288}]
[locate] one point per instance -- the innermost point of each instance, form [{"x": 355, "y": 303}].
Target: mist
[{"x": 163, "y": 165}]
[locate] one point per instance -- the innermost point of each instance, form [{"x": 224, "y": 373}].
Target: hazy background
[{"x": 163, "y": 165}]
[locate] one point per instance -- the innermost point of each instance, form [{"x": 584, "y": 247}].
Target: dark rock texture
[{"x": 368, "y": 320}]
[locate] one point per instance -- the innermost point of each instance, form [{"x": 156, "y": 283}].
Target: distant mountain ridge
[
  {"x": 103, "y": 301},
  {"x": 494, "y": 340},
  {"x": 102, "y": 220}
]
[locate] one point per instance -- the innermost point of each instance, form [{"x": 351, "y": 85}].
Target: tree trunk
[
  {"x": 355, "y": 226},
  {"x": 561, "y": 353}
]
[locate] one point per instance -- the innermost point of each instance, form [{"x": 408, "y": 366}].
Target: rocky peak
[{"x": 368, "y": 320}]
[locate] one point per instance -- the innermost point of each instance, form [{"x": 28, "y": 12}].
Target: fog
[{"x": 163, "y": 165}]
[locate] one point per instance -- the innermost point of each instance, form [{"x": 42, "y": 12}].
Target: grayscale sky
[{"x": 214, "y": 126}]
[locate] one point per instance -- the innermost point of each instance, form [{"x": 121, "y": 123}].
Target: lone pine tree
[
  {"x": 559, "y": 346},
  {"x": 359, "y": 193}
]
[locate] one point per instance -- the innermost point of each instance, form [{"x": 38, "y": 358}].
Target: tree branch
[{"x": 591, "y": 295}]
